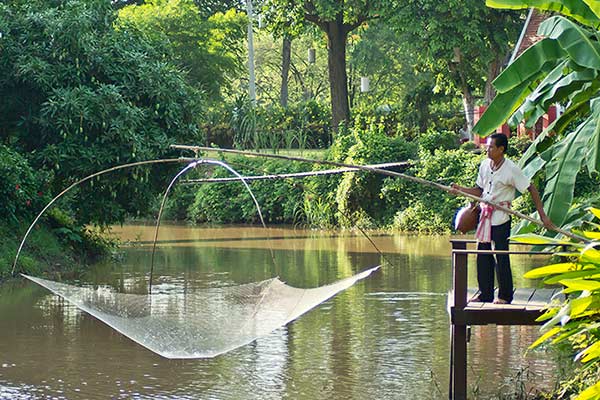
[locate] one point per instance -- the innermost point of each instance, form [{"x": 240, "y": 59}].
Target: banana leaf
[
  {"x": 503, "y": 105},
  {"x": 594, "y": 5},
  {"x": 574, "y": 39},
  {"x": 542, "y": 56},
  {"x": 579, "y": 10},
  {"x": 562, "y": 170},
  {"x": 551, "y": 92},
  {"x": 593, "y": 154},
  {"x": 539, "y": 144},
  {"x": 563, "y": 89}
]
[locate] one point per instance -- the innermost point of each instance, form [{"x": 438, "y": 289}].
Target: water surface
[{"x": 385, "y": 338}]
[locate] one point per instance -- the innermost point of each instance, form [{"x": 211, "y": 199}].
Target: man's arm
[
  {"x": 475, "y": 191},
  {"x": 539, "y": 206}
]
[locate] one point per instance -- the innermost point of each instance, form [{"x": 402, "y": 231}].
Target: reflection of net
[{"x": 204, "y": 323}]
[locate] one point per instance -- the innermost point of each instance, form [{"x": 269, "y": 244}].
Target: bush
[
  {"x": 358, "y": 196},
  {"x": 280, "y": 200},
  {"x": 22, "y": 190},
  {"x": 433, "y": 140},
  {"x": 240, "y": 124},
  {"x": 517, "y": 145},
  {"x": 424, "y": 208}
]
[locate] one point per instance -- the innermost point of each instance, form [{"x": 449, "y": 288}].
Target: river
[{"x": 387, "y": 337}]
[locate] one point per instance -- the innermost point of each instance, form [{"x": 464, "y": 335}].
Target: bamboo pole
[
  {"x": 292, "y": 175},
  {"x": 376, "y": 170}
]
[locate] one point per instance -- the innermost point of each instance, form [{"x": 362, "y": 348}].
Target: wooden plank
[
  {"x": 498, "y": 316},
  {"x": 522, "y": 295},
  {"x": 541, "y": 297},
  {"x": 459, "y": 271}
]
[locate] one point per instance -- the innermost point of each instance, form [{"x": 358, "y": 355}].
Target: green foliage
[
  {"x": 575, "y": 320},
  {"x": 422, "y": 208},
  {"x": 431, "y": 141},
  {"x": 462, "y": 58},
  {"x": 80, "y": 96},
  {"x": 518, "y": 145},
  {"x": 247, "y": 126},
  {"x": 279, "y": 200},
  {"x": 210, "y": 49},
  {"x": 564, "y": 67},
  {"x": 22, "y": 190},
  {"x": 358, "y": 195}
]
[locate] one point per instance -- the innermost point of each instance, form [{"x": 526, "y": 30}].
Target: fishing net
[{"x": 202, "y": 323}]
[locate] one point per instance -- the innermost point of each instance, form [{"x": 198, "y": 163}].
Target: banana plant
[
  {"x": 576, "y": 320},
  {"x": 564, "y": 67}
]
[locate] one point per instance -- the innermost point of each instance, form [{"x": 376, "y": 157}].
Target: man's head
[{"x": 496, "y": 146}]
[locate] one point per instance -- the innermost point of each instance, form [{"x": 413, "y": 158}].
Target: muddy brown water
[{"x": 385, "y": 338}]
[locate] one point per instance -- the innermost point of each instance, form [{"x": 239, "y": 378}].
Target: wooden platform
[{"x": 526, "y": 307}]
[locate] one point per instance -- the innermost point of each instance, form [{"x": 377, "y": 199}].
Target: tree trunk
[
  {"x": 285, "y": 69},
  {"x": 338, "y": 79},
  {"x": 469, "y": 107},
  {"x": 493, "y": 71},
  {"x": 467, "y": 94}
]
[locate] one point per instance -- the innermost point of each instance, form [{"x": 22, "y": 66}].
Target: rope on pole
[{"x": 292, "y": 175}]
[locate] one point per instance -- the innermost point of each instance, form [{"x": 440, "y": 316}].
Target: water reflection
[{"x": 385, "y": 338}]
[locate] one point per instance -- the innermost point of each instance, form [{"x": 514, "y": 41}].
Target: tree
[
  {"x": 209, "y": 49},
  {"x": 81, "y": 96},
  {"x": 466, "y": 57},
  {"x": 564, "y": 68},
  {"x": 336, "y": 19}
]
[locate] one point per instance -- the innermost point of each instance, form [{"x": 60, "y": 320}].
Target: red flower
[
  {"x": 28, "y": 202},
  {"x": 40, "y": 194},
  {"x": 17, "y": 186}
]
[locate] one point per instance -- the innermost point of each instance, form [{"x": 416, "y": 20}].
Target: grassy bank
[{"x": 50, "y": 250}]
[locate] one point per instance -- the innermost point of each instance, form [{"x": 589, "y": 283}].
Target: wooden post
[{"x": 458, "y": 378}]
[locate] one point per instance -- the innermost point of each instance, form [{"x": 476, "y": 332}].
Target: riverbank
[{"x": 50, "y": 250}]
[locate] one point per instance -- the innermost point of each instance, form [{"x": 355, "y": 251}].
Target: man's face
[{"x": 493, "y": 151}]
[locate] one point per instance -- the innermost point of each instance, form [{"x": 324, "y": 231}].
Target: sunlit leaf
[
  {"x": 580, "y": 284},
  {"x": 591, "y": 235},
  {"x": 590, "y": 254},
  {"x": 545, "y": 337},
  {"x": 539, "y": 239},
  {"x": 548, "y": 314},
  {"x": 591, "y": 273},
  {"x": 593, "y": 351},
  {"x": 580, "y": 305},
  {"x": 593, "y": 392},
  {"x": 595, "y": 211},
  {"x": 550, "y": 270}
]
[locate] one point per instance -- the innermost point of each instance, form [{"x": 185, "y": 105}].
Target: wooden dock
[{"x": 526, "y": 307}]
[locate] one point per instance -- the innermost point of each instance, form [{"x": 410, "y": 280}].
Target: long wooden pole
[
  {"x": 368, "y": 168},
  {"x": 291, "y": 175}
]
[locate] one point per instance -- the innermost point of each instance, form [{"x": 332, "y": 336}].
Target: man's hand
[{"x": 454, "y": 188}]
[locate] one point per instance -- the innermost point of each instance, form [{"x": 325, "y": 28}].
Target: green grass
[{"x": 44, "y": 253}]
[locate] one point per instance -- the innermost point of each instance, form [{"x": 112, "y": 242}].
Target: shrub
[
  {"x": 279, "y": 199},
  {"x": 434, "y": 140},
  {"x": 359, "y": 193},
  {"x": 22, "y": 190},
  {"x": 424, "y": 208}
]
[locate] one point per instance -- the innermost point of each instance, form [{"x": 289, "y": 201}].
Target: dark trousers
[{"x": 487, "y": 263}]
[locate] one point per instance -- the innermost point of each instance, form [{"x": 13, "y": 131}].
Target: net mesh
[{"x": 202, "y": 323}]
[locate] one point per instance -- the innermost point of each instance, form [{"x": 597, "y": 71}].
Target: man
[{"x": 497, "y": 181}]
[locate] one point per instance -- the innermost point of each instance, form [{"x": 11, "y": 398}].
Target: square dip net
[{"x": 203, "y": 323}]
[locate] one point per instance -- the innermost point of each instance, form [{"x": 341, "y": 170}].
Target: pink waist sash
[{"x": 484, "y": 229}]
